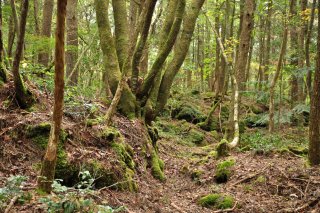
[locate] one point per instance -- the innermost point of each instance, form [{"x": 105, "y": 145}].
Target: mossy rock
[
  {"x": 213, "y": 126},
  {"x": 118, "y": 177},
  {"x": 298, "y": 150},
  {"x": 190, "y": 114},
  {"x": 39, "y": 134},
  {"x": 196, "y": 137},
  {"x": 223, "y": 171},
  {"x": 222, "y": 148},
  {"x": 157, "y": 166},
  {"x": 109, "y": 134},
  {"x": 217, "y": 200}
]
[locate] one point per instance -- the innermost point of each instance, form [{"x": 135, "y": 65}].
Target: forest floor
[{"x": 260, "y": 181}]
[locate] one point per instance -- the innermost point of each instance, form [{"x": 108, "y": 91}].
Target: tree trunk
[
  {"x": 43, "y": 57},
  {"x": 11, "y": 36},
  {"x": 181, "y": 50},
  {"x": 72, "y": 42},
  {"x": 49, "y": 162},
  {"x": 294, "y": 45},
  {"x": 308, "y": 41},
  {"x": 275, "y": 79},
  {"x": 23, "y": 96},
  {"x": 314, "y": 128},
  {"x": 3, "y": 75},
  {"x": 127, "y": 105},
  {"x": 268, "y": 42}
]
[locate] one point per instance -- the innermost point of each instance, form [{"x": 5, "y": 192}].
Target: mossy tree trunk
[
  {"x": 49, "y": 162},
  {"x": 314, "y": 128},
  {"x": 23, "y": 96},
  {"x": 3, "y": 75},
  {"x": 127, "y": 102},
  {"x": 181, "y": 51}
]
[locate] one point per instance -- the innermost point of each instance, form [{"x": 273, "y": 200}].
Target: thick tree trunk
[
  {"x": 47, "y": 13},
  {"x": 49, "y": 162},
  {"x": 314, "y": 129},
  {"x": 23, "y": 96},
  {"x": 127, "y": 104},
  {"x": 181, "y": 50},
  {"x": 72, "y": 42}
]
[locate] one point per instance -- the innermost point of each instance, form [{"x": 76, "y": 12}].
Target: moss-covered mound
[
  {"x": 223, "y": 171},
  {"x": 217, "y": 201},
  {"x": 39, "y": 134},
  {"x": 189, "y": 113}
]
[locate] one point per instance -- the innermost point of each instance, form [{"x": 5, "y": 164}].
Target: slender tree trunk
[
  {"x": 268, "y": 42},
  {"x": 72, "y": 42},
  {"x": 11, "y": 36},
  {"x": 294, "y": 56},
  {"x": 47, "y": 13},
  {"x": 3, "y": 75},
  {"x": 275, "y": 79},
  {"x": 308, "y": 41},
  {"x": 23, "y": 96},
  {"x": 36, "y": 17},
  {"x": 49, "y": 162},
  {"x": 314, "y": 128}
]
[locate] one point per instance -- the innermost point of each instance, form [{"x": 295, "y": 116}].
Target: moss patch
[
  {"x": 216, "y": 200},
  {"x": 109, "y": 134},
  {"x": 124, "y": 152},
  {"x": 223, "y": 171},
  {"x": 196, "y": 137},
  {"x": 157, "y": 166}
]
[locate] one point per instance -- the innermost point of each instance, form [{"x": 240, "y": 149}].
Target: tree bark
[
  {"x": 49, "y": 162},
  {"x": 47, "y": 13},
  {"x": 23, "y": 96},
  {"x": 181, "y": 50},
  {"x": 275, "y": 79},
  {"x": 3, "y": 75},
  {"x": 72, "y": 42},
  {"x": 314, "y": 128},
  {"x": 307, "y": 48}
]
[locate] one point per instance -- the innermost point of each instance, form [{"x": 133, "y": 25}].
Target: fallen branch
[{"x": 13, "y": 200}]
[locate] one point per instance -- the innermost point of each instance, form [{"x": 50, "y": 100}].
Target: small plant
[{"x": 11, "y": 189}]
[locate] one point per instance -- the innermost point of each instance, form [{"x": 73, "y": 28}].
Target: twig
[
  {"x": 13, "y": 200},
  {"x": 250, "y": 176},
  {"x": 309, "y": 204},
  {"x": 228, "y": 210}
]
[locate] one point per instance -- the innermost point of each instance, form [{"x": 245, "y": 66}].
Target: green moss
[
  {"x": 217, "y": 200},
  {"x": 92, "y": 122},
  {"x": 298, "y": 150},
  {"x": 226, "y": 203},
  {"x": 110, "y": 134},
  {"x": 124, "y": 152},
  {"x": 222, "y": 148},
  {"x": 127, "y": 104},
  {"x": 189, "y": 113},
  {"x": 223, "y": 171},
  {"x": 157, "y": 166},
  {"x": 215, "y": 134},
  {"x": 196, "y": 137}
]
